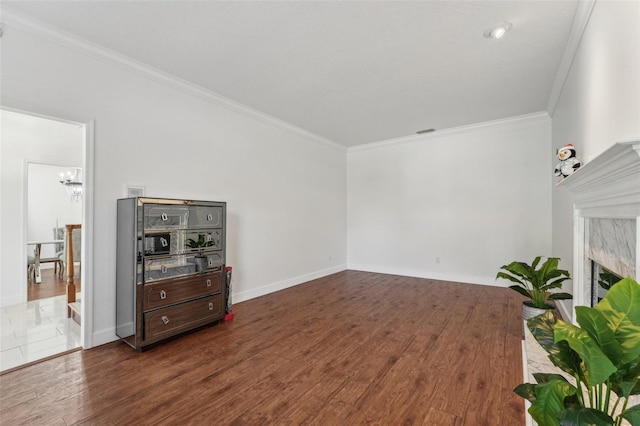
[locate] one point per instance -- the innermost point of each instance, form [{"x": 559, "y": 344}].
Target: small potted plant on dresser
[
  {"x": 534, "y": 283},
  {"x": 200, "y": 244}
]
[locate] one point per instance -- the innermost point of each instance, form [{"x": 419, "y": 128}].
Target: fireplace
[
  {"x": 606, "y": 216},
  {"x": 601, "y": 280},
  {"x": 606, "y": 233},
  {"x": 610, "y": 248}
]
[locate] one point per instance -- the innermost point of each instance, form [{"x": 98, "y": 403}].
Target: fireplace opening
[{"x": 601, "y": 281}]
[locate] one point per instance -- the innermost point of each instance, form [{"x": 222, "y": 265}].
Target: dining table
[{"x": 37, "y": 251}]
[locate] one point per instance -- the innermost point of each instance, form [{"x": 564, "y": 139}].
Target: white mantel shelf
[
  {"x": 610, "y": 180},
  {"x": 607, "y": 187}
]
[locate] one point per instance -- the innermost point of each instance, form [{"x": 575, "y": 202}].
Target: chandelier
[{"x": 72, "y": 181}]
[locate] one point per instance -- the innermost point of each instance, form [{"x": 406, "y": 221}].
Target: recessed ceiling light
[{"x": 498, "y": 31}]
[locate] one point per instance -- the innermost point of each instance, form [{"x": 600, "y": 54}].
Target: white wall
[
  {"x": 24, "y": 139},
  {"x": 476, "y": 198},
  {"x": 600, "y": 101},
  {"x": 286, "y": 192}
]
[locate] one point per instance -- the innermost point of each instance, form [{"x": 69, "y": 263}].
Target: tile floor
[{"x": 35, "y": 330}]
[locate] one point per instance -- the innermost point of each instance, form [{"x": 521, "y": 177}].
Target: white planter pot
[{"x": 529, "y": 312}]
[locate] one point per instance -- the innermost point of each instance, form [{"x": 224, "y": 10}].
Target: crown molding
[
  {"x": 580, "y": 21},
  {"x": 54, "y": 35},
  {"x": 533, "y": 117}
]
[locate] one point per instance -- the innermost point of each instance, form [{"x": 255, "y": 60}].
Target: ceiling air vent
[{"x": 422, "y": 132}]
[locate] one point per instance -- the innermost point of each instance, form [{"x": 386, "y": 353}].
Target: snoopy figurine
[{"x": 568, "y": 161}]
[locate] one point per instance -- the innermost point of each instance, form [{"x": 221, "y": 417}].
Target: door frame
[{"x": 86, "y": 272}]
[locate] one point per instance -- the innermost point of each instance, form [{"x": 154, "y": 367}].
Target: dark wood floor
[
  {"x": 349, "y": 349},
  {"x": 51, "y": 285}
]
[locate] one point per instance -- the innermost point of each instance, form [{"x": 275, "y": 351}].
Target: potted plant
[
  {"x": 200, "y": 244},
  {"x": 602, "y": 355},
  {"x": 534, "y": 283}
]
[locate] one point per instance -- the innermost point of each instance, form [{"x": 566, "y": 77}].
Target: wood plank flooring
[
  {"x": 52, "y": 285},
  {"x": 348, "y": 349}
]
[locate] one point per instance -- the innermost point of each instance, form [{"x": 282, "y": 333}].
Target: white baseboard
[
  {"x": 241, "y": 296},
  {"x": 470, "y": 279},
  {"x": 14, "y": 299},
  {"x": 103, "y": 337}
]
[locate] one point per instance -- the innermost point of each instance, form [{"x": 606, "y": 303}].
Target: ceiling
[{"x": 353, "y": 72}]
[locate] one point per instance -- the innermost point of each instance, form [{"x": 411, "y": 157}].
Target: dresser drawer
[
  {"x": 178, "y": 290},
  {"x": 205, "y": 216},
  {"x": 168, "y": 321},
  {"x": 215, "y": 260},
  {"x": 163, "y": 216},
  {"x": 164, "y": 268},
  {"x": 210, "y": 239}
]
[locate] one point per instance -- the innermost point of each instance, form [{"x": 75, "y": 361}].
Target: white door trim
[{"x": 86, "y": 272}]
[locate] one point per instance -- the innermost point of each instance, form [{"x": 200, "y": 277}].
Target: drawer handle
[
  {"x": 208, "y": 283},
  {"x": 163, "y": 294},
  {"x": 163, "y": 269},
  {"x": 164, "y": 216},
  {"x": 209, "y": 216},
  {"x": 165, "y": 320},
  {"x": 211, "y": 306}
]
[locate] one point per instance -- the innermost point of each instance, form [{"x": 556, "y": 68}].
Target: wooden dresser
[{"x": 170, "y": 267}]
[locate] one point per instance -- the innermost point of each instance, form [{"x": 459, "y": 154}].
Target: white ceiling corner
[
  {"x": 581, "y": 18},
  {"x": 343, "y": 72}
]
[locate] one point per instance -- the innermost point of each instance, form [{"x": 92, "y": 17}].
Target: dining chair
[
  {"x": 58, "y": 234},
  {"x": 31, "y": 267}
]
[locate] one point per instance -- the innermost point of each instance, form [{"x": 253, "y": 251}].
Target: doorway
[
  {"x": 51, "y": 206},
  {"x": 32, "y": 146}
]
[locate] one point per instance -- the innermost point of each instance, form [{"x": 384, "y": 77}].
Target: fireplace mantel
[
  {"x": 607, "y": 187},
  {"x": 612, "y": 179}
]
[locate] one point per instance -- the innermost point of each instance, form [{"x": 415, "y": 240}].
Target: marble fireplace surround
[
  {"x": 606, "y": 217},
  {"x": 606, "y": 229}
]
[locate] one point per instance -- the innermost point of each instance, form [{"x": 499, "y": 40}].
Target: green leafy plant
[
  {"x": 200, "y": 243},
  {"x": 602, "y": 355},
  {"x": 535, "y": 283},
  {"x": 606, "y": 279}
]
